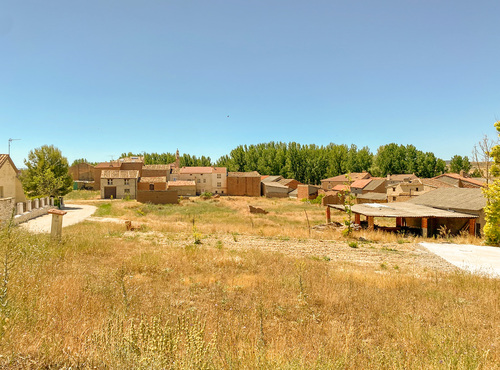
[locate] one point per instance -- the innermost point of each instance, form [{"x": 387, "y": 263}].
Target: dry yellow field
[{"x": 234, "y": 290}]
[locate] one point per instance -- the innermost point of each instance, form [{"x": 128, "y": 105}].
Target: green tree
[
  {"x": 492, "y": 192},
  {"x": 47, "y": 173},
  {"x": 459, "y": 163}
]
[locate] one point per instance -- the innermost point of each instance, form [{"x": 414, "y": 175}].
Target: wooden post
[
  {"x": 424, "y": 227},
  {"x": 357, "y": 218},
  {"x": 57, "y": 219},
  {"x": 371, "y": 222},
  {"x": 472, "y": 226},
  {"x": 328, "y": 215},
  {"x": 399, "y": 221}
]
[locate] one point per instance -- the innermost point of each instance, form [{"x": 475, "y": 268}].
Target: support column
[
  {"x": 399, "y": 221},
  {"x": 371, "y": 222},
  {"x": 28, "y": 206},
  {"x": 37, "y": 203},
  {"x": 472, "y": 226},
  {"x": 424, "y": 227},
  {"x": 57, "y": 220},
  {"x": 42, "y": 202},
  {"x": 328, "y": 215},
  {"x": 357, "y": 218}
]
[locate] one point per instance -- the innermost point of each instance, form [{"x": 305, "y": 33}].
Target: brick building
[{"x": 243, "y": 184}]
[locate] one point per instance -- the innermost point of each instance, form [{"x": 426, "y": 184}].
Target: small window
[
  {"x": 393, "y": 189},
  {"x": 416, "y": 189},
  {"x": 151, "y": 187},
  {"x": 218, "y": 184},
  {"x": 199, "y": 181},
  {"x": 219, "y": 176},
  {"x": 204, "y": 180},
  {"x": 394, "y": 199},
  {"x": 126, "y": 182},
  {"x": 126, "y": 191},
  {"x": 110, "y": 181}
]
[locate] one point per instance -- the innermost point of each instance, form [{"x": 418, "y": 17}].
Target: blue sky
[{"x": 100, "y": 77}]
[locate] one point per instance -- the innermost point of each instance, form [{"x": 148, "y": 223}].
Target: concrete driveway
[
  {"x": 76, "y": 213},
  {"x": 474, "y": 258}
]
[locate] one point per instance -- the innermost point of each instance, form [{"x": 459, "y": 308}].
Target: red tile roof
[
  {"x": 458, "y": 177},
  {"x": 354, "y": 176},
  {"x": 6, "y": 158},
  {"x": 118, "y": 174},
  {"x": 203, "y": 170},
  {"x": 155, "y": 179},
  {"x": 341, "y": 187},
  {"x": 360, "y": 184}
]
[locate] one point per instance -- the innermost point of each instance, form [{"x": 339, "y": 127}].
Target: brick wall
[
  {"x": 157, "y": 197},
  {"x": 158, "y": 186},
  {"x": 241, "y": 186},
  {"x": 303, "y": 192}
]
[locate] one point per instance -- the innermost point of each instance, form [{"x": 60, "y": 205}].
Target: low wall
[
  {"x": 157, "y": 197},
  {"x": 6, "y": 207},
  {"x": 24, "y": 211}
]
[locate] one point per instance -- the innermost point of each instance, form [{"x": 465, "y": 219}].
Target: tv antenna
[{"x": 10, "y": 141}]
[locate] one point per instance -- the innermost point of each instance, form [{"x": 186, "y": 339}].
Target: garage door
[{"x": 110, "y": 191}]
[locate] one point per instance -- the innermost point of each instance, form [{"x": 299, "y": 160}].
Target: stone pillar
[
  {"x": 61, "y": 202},
  {"x": 57, "y": 220},
  {"x": 42, "y": 202},
  {"x": 37, "y": 203},
  {"x": 20, "y": 209},
  {"x": 328, "y": 215},
  {"x": 28, "y": 206},
  {"x": 371, "y": 222},
  {"x": 424, "y": 227},
  {"x": 472, "y": 226},
  {"x": 357, "y": 218}
]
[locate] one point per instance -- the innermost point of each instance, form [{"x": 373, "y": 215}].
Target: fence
[{"x": 24, "y": 211}]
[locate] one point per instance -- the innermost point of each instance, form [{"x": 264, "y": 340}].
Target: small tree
[
  {"x": 492, "y": 192},
  {"x": 481, "y": 156},
  {"x": 348, "y": 200},
  {"x": 47, "y": 173},
  {"x": 459, "y": 163}
]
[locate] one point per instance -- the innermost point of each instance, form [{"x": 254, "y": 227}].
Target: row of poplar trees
[{"x": 311, "y": 163}]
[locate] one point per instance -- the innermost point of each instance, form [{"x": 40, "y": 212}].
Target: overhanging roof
[{"x": 401, "y": 209}]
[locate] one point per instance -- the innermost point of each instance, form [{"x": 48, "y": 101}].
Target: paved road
[
  {"x": 475, "y": 258},
  {"x": 76, "y": 213}
]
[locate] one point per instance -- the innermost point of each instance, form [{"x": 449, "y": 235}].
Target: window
[
  {"x": 394, "y": 199},
  {"x": 1, "y": 191},
  {"x": 218, "y": 184},
  {"x": 393, "y": 189},
  {"x": 219, "y": 176},
  {"x": 126, "y": 182},
  {"x": 110, "y": 181},
  {"x": 151, "y": 187},
  {"x": 126, "y": 191},
  {"x": 204, "y": 180},
  {"x": 199, "y": 181},
  {"x": 416, "y": 189}
]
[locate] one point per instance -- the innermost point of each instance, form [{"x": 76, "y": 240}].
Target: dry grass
[{"x": 103, "y": 297}]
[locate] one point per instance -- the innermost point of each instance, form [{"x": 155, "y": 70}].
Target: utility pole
[{"x": 10, "y": 141}]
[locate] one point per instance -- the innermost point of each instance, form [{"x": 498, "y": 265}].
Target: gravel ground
[
  {"x": 405, "y": 257},
  {"x": 75, "y": 213}
]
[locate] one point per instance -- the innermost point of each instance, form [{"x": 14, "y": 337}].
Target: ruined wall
[
  {"x": 243, "y": 186},
  {"x": 157, "y": 197}
]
